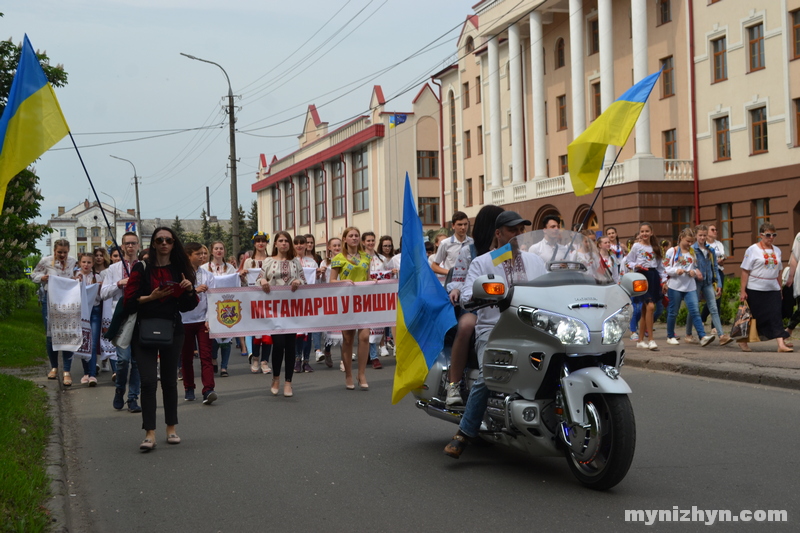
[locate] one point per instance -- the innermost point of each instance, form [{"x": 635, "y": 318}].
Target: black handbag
[{"x": 156, "y": 332}]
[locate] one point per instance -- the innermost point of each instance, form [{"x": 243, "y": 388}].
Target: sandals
[
  {"x": 223, "y": 373},
  {"x": 67, "y": 380},
  {"x": 172, "y": 438},
  {"x": 456, "y": 446},
  {"x": 265, "y": 368},
  {"x": 147, "y": 445},
  {"x": 274, "y": 388},
  {"x": 53, "y": 374},
  {"x": 253, "y": 364}
]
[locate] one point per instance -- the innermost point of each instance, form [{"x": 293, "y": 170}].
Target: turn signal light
[
  {"x": 495, "y": 289},
  {"x": 640, "y": 285}
]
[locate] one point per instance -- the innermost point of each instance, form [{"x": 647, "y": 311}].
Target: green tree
[
  {"x": 205, "y": 228},
  {"x": 252, "y": 221},
  {"x": 22, "y": 204},
  {"x": 177, "y": 227}
]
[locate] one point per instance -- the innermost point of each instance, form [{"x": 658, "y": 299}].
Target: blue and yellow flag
[
  {"x": 32, "y": 121},
  {"x": 501, "y": 254},
  {"x": 586, "y": 153},
  {"x": 424, "y": 312},
  {"x": 396, "y": 120}
]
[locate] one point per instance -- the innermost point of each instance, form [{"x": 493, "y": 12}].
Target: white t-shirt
[
  {"x": 448, "y": 251},
  {"x": 719, "y": 252},
  {"x": 796, "y": 254},
  {"x": 764, "y": 266},
  {"x": 198, "y": 314}
]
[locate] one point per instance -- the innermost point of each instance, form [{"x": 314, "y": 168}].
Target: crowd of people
[{"x": 168, "y": 282}]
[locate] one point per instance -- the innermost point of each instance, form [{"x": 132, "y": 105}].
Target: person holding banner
[
  {"x": 303, "y": 340},
  {"x": 352, "y": 265},
  {"x": 376, "y": 266},
  {"x": 250, "y": 269},
  {"x": 219, "y": 267},
  {"x": 87, "y": 276},
  {"x": 58, "y": 265},
  {"x": 283, "y": 268},
  {"x": 161, "y": 287}
]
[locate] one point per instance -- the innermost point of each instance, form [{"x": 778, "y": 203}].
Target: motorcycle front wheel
[{"x": 612, "y": 436}]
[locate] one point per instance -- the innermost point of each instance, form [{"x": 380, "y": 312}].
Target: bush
[{"x": 15, "y": 294}]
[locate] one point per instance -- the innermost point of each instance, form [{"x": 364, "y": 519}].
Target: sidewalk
[{"x": 763, "y": 366}]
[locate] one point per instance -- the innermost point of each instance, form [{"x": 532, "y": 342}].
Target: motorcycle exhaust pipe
[{"x": 438, "y": 412}]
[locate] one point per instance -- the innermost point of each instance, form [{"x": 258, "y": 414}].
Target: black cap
[{"x": 510, "y": 218}]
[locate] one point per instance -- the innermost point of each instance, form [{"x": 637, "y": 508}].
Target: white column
[
  {"x": 517, "y": 142},
  {"x": 639, "y": 42},
  {"x": 537, "y": 96},
  {"x": 576, "y": 51},
  {"x": 494, "y": 112},
  {"x": 606, "y": 62}
]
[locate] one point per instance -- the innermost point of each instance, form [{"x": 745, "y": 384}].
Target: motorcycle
[{"x": 552, "y": 361}]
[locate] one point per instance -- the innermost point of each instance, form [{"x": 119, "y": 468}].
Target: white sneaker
[
  {"x": 453, "y": 395},
  {"x": 652, "y": 346},
  {"x": 384, "y": 351},
  {"x": 634, "y": 336},
  {"x": 643, "y": 345},
  {"x": 355, "y": 356},
  {"x": 672, "y": 340},
  {"x": 319, "y": 356},
  {"x": 708, "y": 339}
]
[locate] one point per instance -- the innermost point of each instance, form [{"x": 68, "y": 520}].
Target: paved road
[{"x": 336, "y": 460}]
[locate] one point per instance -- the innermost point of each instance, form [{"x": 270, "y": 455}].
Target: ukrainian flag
[
  {"x": 501, "y": 254},
  {"x": 586, "y": 153},
  {"x": 32, "y": 121},
  {"x": 424, "y": 312}
]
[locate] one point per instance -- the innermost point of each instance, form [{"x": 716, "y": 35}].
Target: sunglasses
[
  {"x": 162, "y": 240},
  {"x": 769, "y": 234},
  {"x": 130, "y": 243}
]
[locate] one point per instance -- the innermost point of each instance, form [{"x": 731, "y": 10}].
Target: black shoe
[
  {"x": 456, "y": 446},
  {"x": 133, "y": 406},
  {"x": 216, "y": 369},
  {"x": 119, "y": 399},
  {"x": 189, "y": 396},
  {"x": 209, "y": 397}
]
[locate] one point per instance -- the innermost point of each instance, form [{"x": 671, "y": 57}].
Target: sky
[{"x": 129, "y": 85}]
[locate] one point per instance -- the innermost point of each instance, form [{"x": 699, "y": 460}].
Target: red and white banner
[{"x": 246, "y": 311}]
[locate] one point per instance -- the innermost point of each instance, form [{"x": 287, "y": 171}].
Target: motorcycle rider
[{"x": 522, "y": 266}]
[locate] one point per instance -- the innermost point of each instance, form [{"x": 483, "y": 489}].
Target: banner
[{"x": 249, "y": 311}]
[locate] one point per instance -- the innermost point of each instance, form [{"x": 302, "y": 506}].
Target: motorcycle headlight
[
  {"x": 615, "y": 326},
  {"x": 566, "y": 329}
]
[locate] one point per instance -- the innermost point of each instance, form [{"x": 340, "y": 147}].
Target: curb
[
  {"x": 786, "y": 378},
  {"x": 57, "y": 503}
]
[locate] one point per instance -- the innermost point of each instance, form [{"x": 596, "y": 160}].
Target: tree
[
  {"x": 205, "y": 228},
  {"x": 177, "y": 227},
  {"x": 18, "y": 231},
  {"x": 252, "y": 220}
]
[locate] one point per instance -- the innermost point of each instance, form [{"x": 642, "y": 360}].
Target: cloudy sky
[{"x": 129, "y": 85}]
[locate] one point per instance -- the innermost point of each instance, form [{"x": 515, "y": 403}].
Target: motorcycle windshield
[{"x": 567, "y": 255}]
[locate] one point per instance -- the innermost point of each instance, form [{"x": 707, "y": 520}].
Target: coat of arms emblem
[{"x": 229, "y": 311}]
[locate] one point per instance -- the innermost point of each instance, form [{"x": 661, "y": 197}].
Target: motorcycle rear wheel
[{"x": 616, "y": 447}]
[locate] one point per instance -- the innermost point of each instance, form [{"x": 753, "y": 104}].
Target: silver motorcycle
[{"x": 552, "y": 360}]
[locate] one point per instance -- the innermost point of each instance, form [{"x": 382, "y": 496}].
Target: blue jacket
[{"x": 707, "y": 265}]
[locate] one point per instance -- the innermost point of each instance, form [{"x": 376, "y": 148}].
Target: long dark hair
[
  {"x": 177, "y": 257},
  {"x": 380, "y": 247},
  {"x": 653, "y": 240},
  {"x": 290, "y": 252},
  {"x": 483, "y": 229}
]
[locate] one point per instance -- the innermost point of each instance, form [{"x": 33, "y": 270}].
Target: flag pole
[
  {"x": 103, "y": 211},
  {"x": 597, "y": 195}
]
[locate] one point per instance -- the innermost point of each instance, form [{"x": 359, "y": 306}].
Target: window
[
  {"x": 797, "y": 122},
  {"x": 95, "y": 232},
  {"x": 482, "y": 185},
  {"x": 561, "y": 102},
  {"x": 337, "y": 183},
  {"x": 290, "y": 204},
  {"x": 761, "y": 208},
  {"x": 545, "y": 117},
  {"x": 795, "y": 37},
  {"x": 563, "y": 164},
  {"x": 508, "y": 75},
  {"x": 670, "y": 145},
  {"x": 429, "y": 210},
  {"x": 469, "y": 192},
  {"x": 305, "y": 205},
  {"x": 720, "y": 49},
  {"x": 276, "y": 209},
  {"x": 559, "y": 53},
  {"x": 467, "y": 144},
  {"x": 664, "y": 12},
  {"x": 594, "y": 36},
  {"x": 62, "y": 233},
  {"x": 508, "y": 124},
  {"x": 320, "y": 197},
  {"x": 597, "y": 105},
  {"x": 722, "y": 136},
  {"x": 756, "y": 46},
  {"x": 453, "y": 155},
  {"x": 758, "y": 130},
  {"x": 477, "y": 89},
  {"x": 82, "y": 249},
  {"x": 544, "y": 61},
  {"x": 427, "y": 164},
  {"x": 480, "y": 139},
  {"x": 470, "y": 45},
  {"x": 360, "y": 180},
  {"x": 465, "y": 95},
  {"x": 725, "y": 229},
  {"x": 81, "y": 234},
  {"x": 681, "y": 218},
  {"x": 667, "y": 78}
]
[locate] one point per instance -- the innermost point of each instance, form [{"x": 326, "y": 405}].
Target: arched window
[
  {"x": 560, "y": 53},
  {"x": 470, "y": 45}
]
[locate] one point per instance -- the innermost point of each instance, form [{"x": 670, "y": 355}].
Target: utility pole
[
  {"x": 136, "y": 185},
  {"x": 234, "y": 190},
  {"x": 208, "y": 204}
]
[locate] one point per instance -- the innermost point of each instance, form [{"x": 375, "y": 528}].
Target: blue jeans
[
  {"x": 675, "y": 299},
  {"x": 317, "y": 339},
  {"x": 225, "y": 350},
  {"x": 52, "y": 355},
  {"x": 302, "y": 347},
  {"x": 478, "y": 395},
  {"x": 90, "y": 366},
  {"x": 126, "y": 365},
  {"x": 373, "y": 351},
  {"x": 708, "y": 293}
]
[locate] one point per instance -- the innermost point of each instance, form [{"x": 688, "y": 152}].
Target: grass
[{"x": 24, "y": 425}]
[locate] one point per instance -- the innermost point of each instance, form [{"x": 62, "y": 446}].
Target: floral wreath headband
[{"x": 260, "y": 234}]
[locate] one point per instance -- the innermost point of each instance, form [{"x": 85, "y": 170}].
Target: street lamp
[
  {"x": 114, "y": 233},
  {"x": 234, "y": 191},
  {"x": 136, "y": 184}
]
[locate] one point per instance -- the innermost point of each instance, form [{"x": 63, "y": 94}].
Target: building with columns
[
  {"x": 717, "y": 141},
  {"x": 354, "y": 175}
]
